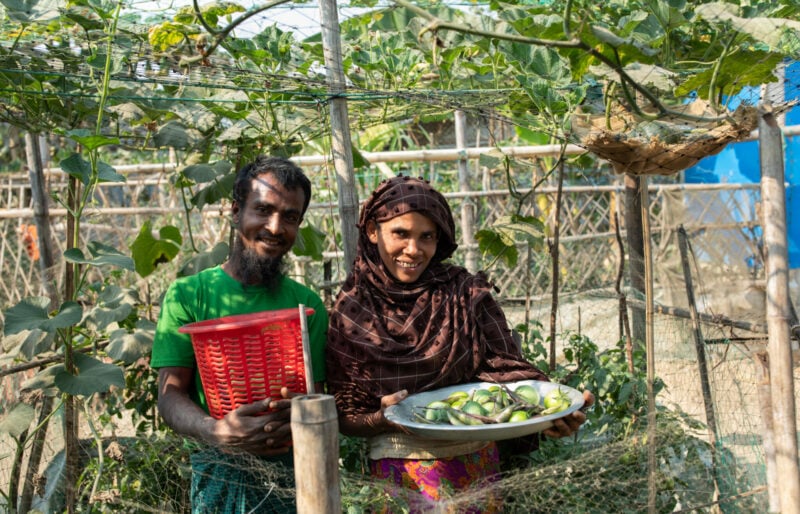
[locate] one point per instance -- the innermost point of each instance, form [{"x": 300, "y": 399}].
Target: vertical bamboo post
[
  {"x": 467, "y": 211},
  {"x": 41, "y": 217},
  {"x": 699, "y": 345},
  {"x": 652, "y": 465},
  {"x": 304, "y": 339},
  {"x": 780, "y": 352},
  {"x": 556, "y": 266},
  {"x": 768, "y": 434},
  {"x": 341, "y": 146},
  {"x": 633, "y": 230},
  {"x": 315, "y": 437}
]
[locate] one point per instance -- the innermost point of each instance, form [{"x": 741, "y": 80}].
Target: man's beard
[{"x": 256, "y": 269}]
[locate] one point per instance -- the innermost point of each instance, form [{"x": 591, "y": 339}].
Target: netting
[
  {"x": 588, "y": 473},
  {"x": 703, "y": 454}
]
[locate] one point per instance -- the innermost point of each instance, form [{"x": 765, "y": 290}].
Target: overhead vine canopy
[{"x": 217, "y": 77}]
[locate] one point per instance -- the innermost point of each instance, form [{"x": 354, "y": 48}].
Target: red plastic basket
[{"x": 249, "y": 357}]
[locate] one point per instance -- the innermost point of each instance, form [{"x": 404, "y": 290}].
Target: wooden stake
[{"x": 315, "y": 437}]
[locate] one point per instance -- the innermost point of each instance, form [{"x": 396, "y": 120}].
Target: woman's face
[{"x": 406, "y": 244}]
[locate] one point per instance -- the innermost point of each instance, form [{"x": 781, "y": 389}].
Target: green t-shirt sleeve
[{"x": 170, "y": 347}]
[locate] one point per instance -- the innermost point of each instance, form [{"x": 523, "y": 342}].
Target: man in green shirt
[{"x": 270, "y": 197}]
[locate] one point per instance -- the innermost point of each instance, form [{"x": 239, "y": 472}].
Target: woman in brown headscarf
[{"x": 406, "y": 322}]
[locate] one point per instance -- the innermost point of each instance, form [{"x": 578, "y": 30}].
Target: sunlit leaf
[
  {"x": 494, "y": 245},
  {"x": 91, "y": 141},
  {"x": 28, "y": 343},
  {"x": 148, "y": 252}
]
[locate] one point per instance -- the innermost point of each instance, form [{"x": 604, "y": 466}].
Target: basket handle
[{"x": 306, "y": 350}]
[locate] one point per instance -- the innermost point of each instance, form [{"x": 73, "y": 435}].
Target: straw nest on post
[{"x": 662, "y": 146}]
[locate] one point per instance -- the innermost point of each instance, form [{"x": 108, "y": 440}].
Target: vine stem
[{"x": 575, "y": 43}]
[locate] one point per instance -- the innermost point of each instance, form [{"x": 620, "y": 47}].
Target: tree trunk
[{"x": 633, "y": 229}]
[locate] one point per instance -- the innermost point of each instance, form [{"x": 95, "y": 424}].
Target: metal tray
[{"x": 403, "y": 414}]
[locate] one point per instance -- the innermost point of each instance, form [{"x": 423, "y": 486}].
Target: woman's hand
[
  {"x": 568, "y": 425},
  {"x": 374, "y": 423}
]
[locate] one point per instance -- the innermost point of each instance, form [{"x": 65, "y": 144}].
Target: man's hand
[
  {"x": 260, "y": 428},
  {"x": 568, "y": 425}
]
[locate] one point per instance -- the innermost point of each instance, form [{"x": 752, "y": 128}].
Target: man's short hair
[{"x": 288, "y": 174}]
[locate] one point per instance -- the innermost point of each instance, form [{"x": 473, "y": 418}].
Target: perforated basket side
[
  {"x": 284, "y": 341},
  {"x": 249, "y": 363}
]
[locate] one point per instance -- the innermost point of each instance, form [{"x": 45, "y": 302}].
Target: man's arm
[{"x": 249, "y": 427}]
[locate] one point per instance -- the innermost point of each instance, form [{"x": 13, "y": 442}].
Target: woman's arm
[{"x": 373, "y": 423}]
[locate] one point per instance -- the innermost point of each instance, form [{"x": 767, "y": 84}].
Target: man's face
[
  {"x": 267, "y": 223},
  {"x": 270, "y": 218}
]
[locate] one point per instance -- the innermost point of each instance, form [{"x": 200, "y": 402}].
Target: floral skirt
[{"x": 433, "y": 479}]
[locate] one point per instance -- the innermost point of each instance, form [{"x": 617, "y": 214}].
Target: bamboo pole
[
  {"x": 702, "y": 367},
  {"x": 715, "y": 319},
  {"x": 556, "y": 267},
  {"x": 315, "y": 437},
  {"x": 635, "y": 189},
  {"x": 652, "y": 465},
  {"x": 47, "y": 266},
  {"x": 467, "y": 207},
  {"x": 340, "y": 129},
  {"x": 768, "y": 434},
  {"x": 773, "y": 196},
  {"x": 41, "y": 217}
]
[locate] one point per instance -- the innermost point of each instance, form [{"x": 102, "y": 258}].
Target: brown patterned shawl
[{"x": 444, "y": 329}]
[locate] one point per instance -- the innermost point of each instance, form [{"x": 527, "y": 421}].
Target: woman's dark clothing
[{"x": 444, "y": 329}]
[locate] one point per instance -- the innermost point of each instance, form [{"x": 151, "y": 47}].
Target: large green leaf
[
  {"x": 736, "y": 72},
  {"x": 215, "y": 191},
  {"x": 310, "y": 242},
  {"x": 531, "y": 229},
  {"x": 28, "y": 11},
  {"x": 44, "y": 380},
  {"x": 101, "y": 315},
  {"x": 17, "y": 420},
  {"x": 204, "y": 260},
  {"x": 93, "y": 376},
  {"x": 76, "y": 166},
  {"x": 28, "y": 343},
  {"x": 31, "y": 313},
  {"x": 103, "y": 255},
  {"x": 172, "y": 134},
  {"x": 495, "y": 245},
  {"x": 129, "y": 347},
  {"x": 148, "y": 252},
  {"x": 91, "y": 141}
]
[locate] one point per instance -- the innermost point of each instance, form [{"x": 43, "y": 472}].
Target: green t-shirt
[{"x": 211, "y": 294}]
